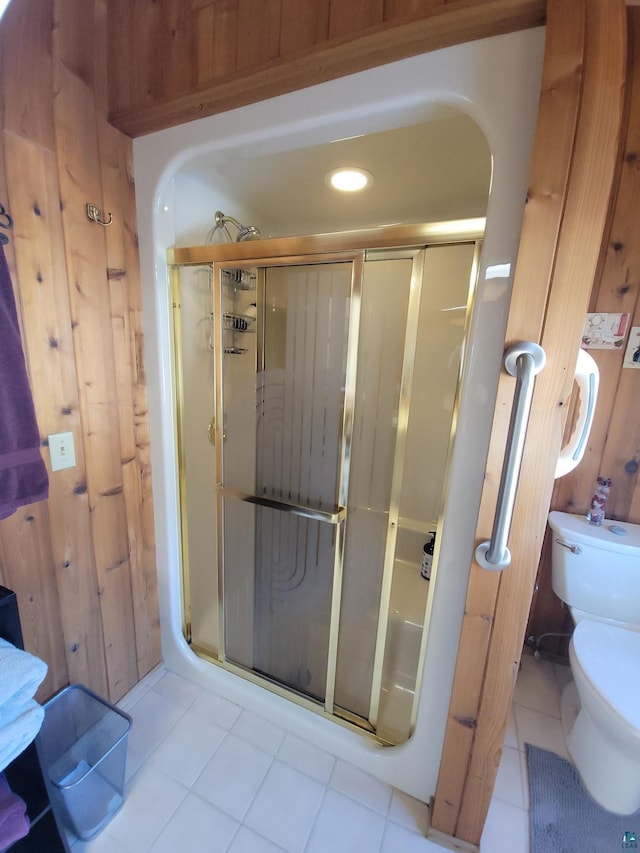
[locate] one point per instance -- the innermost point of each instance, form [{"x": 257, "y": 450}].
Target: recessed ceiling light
[{"x": 349, "y": 179}]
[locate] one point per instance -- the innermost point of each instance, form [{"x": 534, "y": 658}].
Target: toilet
[{"x": 596, "y": 572}]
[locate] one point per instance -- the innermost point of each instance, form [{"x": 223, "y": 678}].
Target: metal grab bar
[{"x": 524, "y": 361}]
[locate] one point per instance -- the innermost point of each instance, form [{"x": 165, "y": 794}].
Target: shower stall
[
  {"x": 319, "y": 407},
  {"x": 331, "y": 381}
]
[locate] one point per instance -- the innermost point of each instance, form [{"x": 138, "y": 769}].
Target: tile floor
[{"x": 205, "y": 775}]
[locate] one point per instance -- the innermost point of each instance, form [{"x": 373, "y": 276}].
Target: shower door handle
[
  {"x": 524, "y": 361},
  {"x": 211, "y": 431},
  {"x": 330, "y": 516}
]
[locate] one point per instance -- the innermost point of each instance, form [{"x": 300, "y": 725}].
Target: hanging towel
[
  {"x": 23, "y": 475},
  {"x": 14, "y": 823},
  {"x": 21, "y": 674},
  {"x": 20, "y": 716},
  {"x": 18, "y": 727}
]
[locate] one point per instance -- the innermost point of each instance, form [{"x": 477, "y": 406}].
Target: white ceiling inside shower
[{"x": 438, "y": 169}]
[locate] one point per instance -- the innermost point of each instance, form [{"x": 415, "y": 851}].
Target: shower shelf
[
  {"x": 238, "y": 322},
  {"x": 239, "y": 278},
  {"x": 235, "y": 350}
]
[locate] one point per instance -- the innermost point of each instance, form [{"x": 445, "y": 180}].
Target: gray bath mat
[{"x": 563, "y": 816}]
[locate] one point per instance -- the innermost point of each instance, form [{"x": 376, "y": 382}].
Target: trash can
[{"x": 83, "y": 750}]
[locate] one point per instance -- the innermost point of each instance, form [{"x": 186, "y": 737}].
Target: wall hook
[{"x": 95, "y": 214}]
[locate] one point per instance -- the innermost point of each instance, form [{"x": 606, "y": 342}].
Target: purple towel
[
  {"x": 23, "y": 475},
  {"x": 14, "y": 823}
]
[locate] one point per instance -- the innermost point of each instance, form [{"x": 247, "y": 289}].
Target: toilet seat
[{"x": 609, "y": 658}]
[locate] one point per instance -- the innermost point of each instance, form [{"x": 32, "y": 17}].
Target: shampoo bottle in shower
[
  {"x": 598, "y": 501},
  {"x": 427, "y": 557}
]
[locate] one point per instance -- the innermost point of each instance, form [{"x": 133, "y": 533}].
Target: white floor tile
[
  {"x": 150, "y": 801},
  {"x": 303, "y": 756},
  {"x": 232, "y": 777},
  {"x": 134, "y": 762},
  {"x": 102, "y": 843},
  {"x": 538, "y": 691},
  {"x": 178, "y": 689},
  {"x": 536, "y": 666},
  {"x": 397, "y": 839},
  {"x": 508, "y": 787},
  {"x": 345, "y": 826},
  {"x": 153, "y": 718},
  {"x": 563, "y": 674},
  {"x": 286, "y": 806},
  {"x": 361, "y": 786},
  {"x": 188, "y": 748},
  {"x": 258, "y": 731},
  {"x": 196, "y": 825},
  {"x": 144, "y": 686},
  {"x": 506, "y": 829},
  {"x": 540, "y": 730},
  {"x": 248, "y": 841},
  {"x": 411, "y": 813},
  {"x": 215, "y": 709},
  {"x": 187, "y": 737},
  {"x": 510, "y": 735}
]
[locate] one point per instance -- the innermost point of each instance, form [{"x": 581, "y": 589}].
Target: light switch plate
[{"x": 62, "y": 451}]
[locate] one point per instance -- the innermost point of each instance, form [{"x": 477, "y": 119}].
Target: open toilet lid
[{"x": 610, "y": 658}]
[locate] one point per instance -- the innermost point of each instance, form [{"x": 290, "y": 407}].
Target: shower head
[{"x": 244, "y": 232}]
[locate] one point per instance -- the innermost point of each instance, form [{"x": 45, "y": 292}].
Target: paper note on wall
[{"x": 604, "y": 330}]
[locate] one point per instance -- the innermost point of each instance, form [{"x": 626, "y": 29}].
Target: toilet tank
[{"x": 596, "y": 570}]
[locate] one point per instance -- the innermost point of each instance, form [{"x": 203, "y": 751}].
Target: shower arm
[{"x": 245, "y": 232}]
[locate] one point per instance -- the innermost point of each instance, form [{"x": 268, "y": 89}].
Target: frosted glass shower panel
[
  {"x": 305, "y": 317},
  {"x": 194, "y": 373},
  {"x": 283, "y": 461},
  {"x": 381, "y": 345}
]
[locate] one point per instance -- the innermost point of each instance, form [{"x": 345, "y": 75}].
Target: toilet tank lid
[
  {"x": 578, "y": 529},
  {"x": 610, "y": 658}
]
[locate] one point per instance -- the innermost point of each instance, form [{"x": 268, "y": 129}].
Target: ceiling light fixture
[{"x": 349, "y": 179}]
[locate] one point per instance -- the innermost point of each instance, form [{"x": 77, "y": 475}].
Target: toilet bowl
[
  {"x": 604, "y": 740},
  {"x": 596, "y": 572}
]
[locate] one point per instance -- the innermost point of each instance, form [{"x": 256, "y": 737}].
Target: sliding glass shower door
[
  {"x": 287, "y": 338},
  {"x": 315, "y": 400}
]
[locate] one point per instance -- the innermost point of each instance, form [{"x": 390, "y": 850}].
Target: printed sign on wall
[{"x": 604, "y": 331}]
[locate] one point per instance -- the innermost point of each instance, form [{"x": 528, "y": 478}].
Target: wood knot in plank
[
  {"x": 80, "y": 489},
  {"x": 114, "y": 274},
  {"x": 467, "y": 722},
  {"x": 109, "y": 493}
]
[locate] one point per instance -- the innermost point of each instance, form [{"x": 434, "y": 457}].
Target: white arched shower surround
[{"x": 496, "y": 82}]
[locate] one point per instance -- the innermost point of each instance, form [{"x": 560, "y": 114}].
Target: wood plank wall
[
  {"x": 220, "y": 54},
  {"x": 614, "y": 444},
  {"x": 83, "y": 562}
]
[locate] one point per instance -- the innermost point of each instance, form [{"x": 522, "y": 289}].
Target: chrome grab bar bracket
[{"x": 524, "y": 361}]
